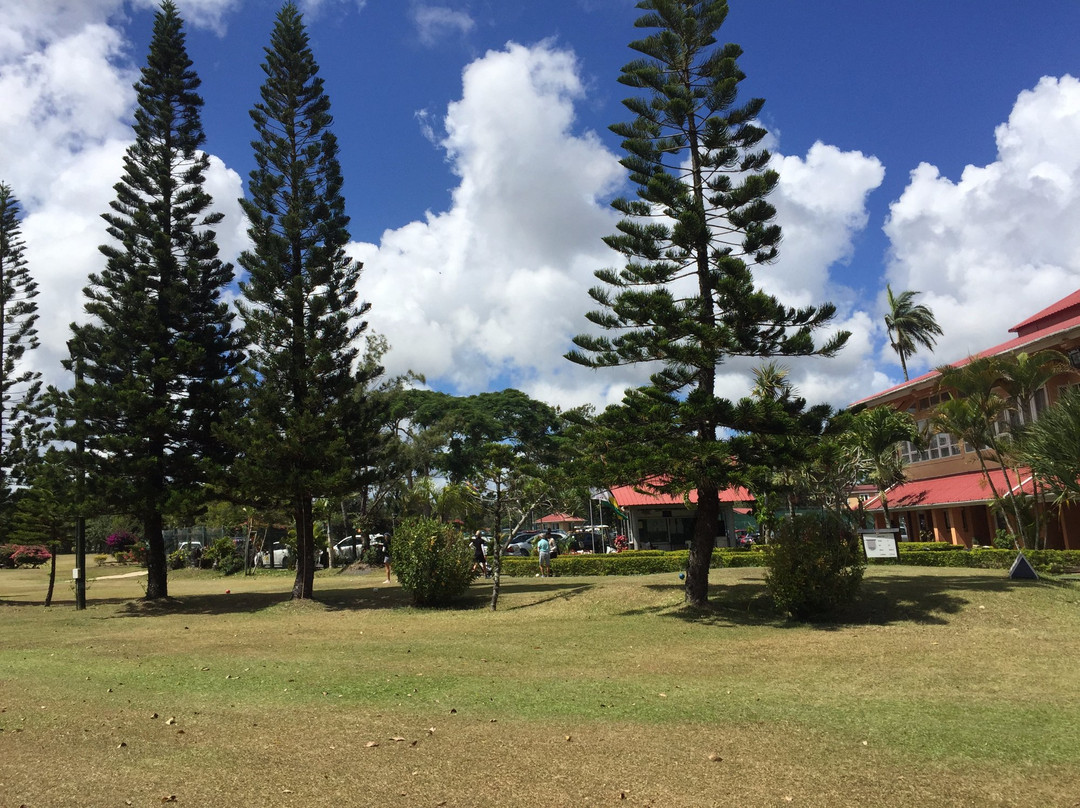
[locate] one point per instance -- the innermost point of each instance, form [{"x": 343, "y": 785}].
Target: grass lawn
[{"x": 945, "y": 687}]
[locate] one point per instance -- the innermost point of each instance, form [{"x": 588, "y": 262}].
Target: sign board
[{"x": 880, "y": 545}]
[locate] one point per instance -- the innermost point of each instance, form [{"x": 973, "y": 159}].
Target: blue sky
[{"x": 933, "y": 146}]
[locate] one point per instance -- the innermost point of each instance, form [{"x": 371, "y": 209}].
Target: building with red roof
[
  {"x": 946, "y": 496},
  {"x": 660, "y": 521}
]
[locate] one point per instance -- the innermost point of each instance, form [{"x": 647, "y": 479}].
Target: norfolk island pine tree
[
  {"x": 158, "y": 355},
  {"x": 686, "y": 298},
  {"x": 19, "y": 385},
  {"x": 306, "y": 429}
]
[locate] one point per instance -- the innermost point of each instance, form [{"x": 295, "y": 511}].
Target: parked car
[
  {"x": 280, "y": 554},
  {"x": 524, "y": 543},
  {"x": 347, "y": 550},
  {"x": 591, "y": 541}
]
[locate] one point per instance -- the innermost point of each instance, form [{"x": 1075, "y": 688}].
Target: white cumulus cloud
[{"x": 1001, "y": 243}]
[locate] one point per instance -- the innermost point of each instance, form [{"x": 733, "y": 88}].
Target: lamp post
[{"x": 79, "y": 572}]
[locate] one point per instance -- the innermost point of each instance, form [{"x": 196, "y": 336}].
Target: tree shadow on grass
[
  {"x": 335, "y": 599},
  {"x": 907, "y": 598}
]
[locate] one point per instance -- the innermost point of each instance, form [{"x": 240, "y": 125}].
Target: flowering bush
[
  {"x": 621, "y": 543},
  {"x": 135, "y": 554},
  {"x": 121, "y": 541},
  {"x": 15, "y": 555}
]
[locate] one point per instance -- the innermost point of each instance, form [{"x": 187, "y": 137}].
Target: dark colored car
[{"x": 588, "y": 541}]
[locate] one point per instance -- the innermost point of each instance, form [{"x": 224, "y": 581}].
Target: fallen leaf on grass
[
  {"x": 171, "y": 721},
  {"x": 371, "y": 744},
  {"x": 431, "y": 731},
  {"x": 397, "y": 739},
  {"x": 170, "y": 798},
  {"x": 715, "y": 757}
]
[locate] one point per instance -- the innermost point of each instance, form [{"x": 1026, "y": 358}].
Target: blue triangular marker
[{"x": 1022, "y": 569}]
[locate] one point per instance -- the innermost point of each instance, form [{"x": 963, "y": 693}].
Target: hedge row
[
  {"x": 630, "y": 562},
  {"x": 1052, "y": 561},
  {"x": 645, "y": 562}
]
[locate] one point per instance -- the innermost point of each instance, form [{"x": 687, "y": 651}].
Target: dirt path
[{"x": 123, "y": 575}]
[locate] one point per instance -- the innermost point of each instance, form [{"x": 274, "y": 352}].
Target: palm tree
[
  {"x": 909, "y": 324},
  {"x": 1023, "y": 376},
  {"x": 875, "y": 439},
  {"x": 972, "y": 416},
  {"x": 1052, "y": 447}
]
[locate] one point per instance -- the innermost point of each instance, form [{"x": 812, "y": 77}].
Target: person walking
[
  {"x": 479, "y": 557},
  {"x": 386, "y": 557},
  {"x": 543, "y": 547}
]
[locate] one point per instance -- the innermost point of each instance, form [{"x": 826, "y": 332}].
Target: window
[{"x": 937, "y": 447}]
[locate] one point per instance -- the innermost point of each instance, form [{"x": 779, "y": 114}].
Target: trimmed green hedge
[
  {"x": 630, "y": 562},
  {"x": 646, "y": 562},
  {"x": 936, "y": 546}
]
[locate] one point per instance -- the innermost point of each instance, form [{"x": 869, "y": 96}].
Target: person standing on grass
[
  {"x": 479, "y": 558},
  {"x": 544, "y": 548},
  {"x": 386, "y": 557}
]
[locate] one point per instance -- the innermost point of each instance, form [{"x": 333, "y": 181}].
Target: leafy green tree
[
  {"x": 909, "y": 324},
  {"x": 1052, "y": 447},
  {"x": 45, "y": 513},
  {"x": 306, "y": 432},
  {"x": 156, "y": 359},
  {"x": 686, "y": 298},
  {"x": 1023, "y": 375},
  {"x": 874, "y": 439},
  {"x": 977, "y": 413},
  {"x": 19, "y": 386}
]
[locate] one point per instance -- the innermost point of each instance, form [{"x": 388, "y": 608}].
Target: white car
[
  {"x": 280, "y": 555},
  {"x": 349, "y": 549}
]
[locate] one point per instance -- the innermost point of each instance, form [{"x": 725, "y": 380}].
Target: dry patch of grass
[{"x": 944, "y": 688}]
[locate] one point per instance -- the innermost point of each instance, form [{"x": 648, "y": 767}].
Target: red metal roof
[
  {"x": 628, "y": 496},
  {"x": 1064, "y": 309},
  {"x": 966, "y": 488},
  {"x": 1051, "y": 328},
  {"x": 554, "y": 518}
]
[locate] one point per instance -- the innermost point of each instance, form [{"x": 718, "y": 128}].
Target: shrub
[
  {"x": 1003, "y": 540},
  {"x": 815, "y": 565},
  {"x": 931, "y": 546},
  {"x": 121, "y": 542},
  {"x": 223, "y": 556},
  {"x": 101, "y": 559},
  {"x": 7, "y": 553},
  {"x": 32, "y": 554},
  {"x": 432, "y": 560}
]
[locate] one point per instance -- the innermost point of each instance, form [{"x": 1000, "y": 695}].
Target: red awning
[{"x": 968, "y": 488}]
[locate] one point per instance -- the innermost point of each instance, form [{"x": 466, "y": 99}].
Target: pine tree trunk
[
  {"x": 304, "y": 585},
  {"x": 705, "y": 527},
  {"x": 52, "y": 578},
  {"x": 157, "y": 583}
]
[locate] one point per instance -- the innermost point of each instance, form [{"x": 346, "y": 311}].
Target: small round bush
[
  {"x": 224, "y": 557},
  {"x": 432, "y": 561},
  {"x": 815, "y": 565}
]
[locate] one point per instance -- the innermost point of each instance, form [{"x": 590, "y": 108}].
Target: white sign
[{"x": 878, "y": 545}]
